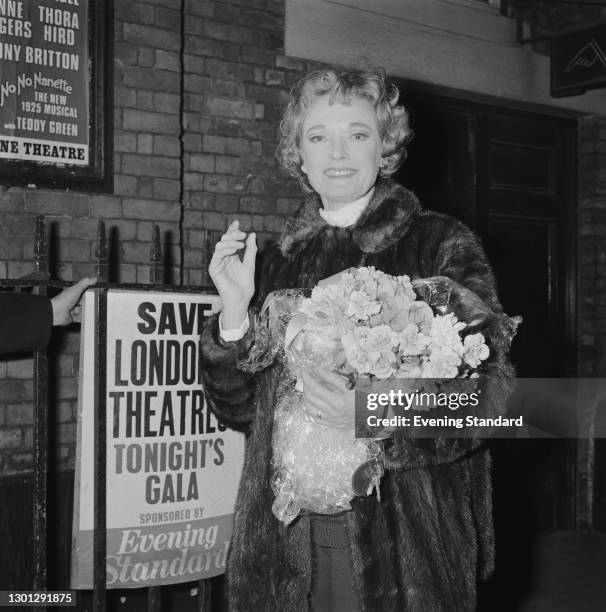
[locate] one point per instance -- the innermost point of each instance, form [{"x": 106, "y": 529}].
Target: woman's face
[{"x": 341, "y": 149}]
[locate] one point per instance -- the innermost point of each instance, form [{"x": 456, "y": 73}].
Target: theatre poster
[
  {"x": 52, "y": 67},
  {"x": 172, "y": 468}
]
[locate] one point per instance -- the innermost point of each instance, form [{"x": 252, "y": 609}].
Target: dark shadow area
[
  {"x": 168, "y": 260},
  {"x": 113, "y": 251}
]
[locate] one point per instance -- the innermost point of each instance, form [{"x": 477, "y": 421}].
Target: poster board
[
  {"x": 53, "y": 81},
  {"x": 172, "y": 469}
]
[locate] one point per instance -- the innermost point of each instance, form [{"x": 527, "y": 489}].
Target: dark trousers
[{"x": 332, "y": 588}]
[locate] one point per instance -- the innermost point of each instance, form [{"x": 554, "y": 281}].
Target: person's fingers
[
  {"x": 312, "y": 389},
  {"x": 334, "y": 417},
  {"x": 72, "y": 294},
  {"x": 310, "y": 381},
  {"x": 225, "y": 251},
  {"x": 317, "y": 397},
  {"x": 76, "y": 313},
  {"x": 329, "y": 385},
  {"x": 82, "y": 285},
  {"x": 220, "y": 260},
  {"x": 325, "y": 406},
  {"x": 317, "y": 406},
  {"x": 64, "y": 303},
  {"x": 251, "y": 250},
  {"x": 234, "y": 229},
  {"x": 234, "y": 234},
  {"x": 330, "y": 379},
  {"x": 326, "y": 380},
  {"x": 225, "y": 244}
]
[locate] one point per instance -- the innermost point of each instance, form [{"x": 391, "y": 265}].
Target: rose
[
  {"x": 409, "y": 367},
  {"x": 412, "y": 342},
  {"x": 376, "y": 320},
  {"x": 367, "y": 282},
  {"x": 405, "y": 289},
  {"x": 401, "y": 319},
  {"x": 421, "y": 314},
  {"x": 381, "y": 338},
  {"x": 476, "y": 350},
  {"x": 450, "y": 353},
  {"x": 391, "y": 306},
  {"x": 361, "y": 306},
  {"x": 387, "y": 286},
  {"x": 358, "y": 354},
  {"x": 441, "y": 366},
  {"x": 444, "y": 333},
  {"x": 325, "y": 303},
  {"x": 383, "y": 367}
]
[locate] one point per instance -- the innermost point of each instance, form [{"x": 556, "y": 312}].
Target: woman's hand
[
  {"x": 327, "y": 398},
  {"x": 234, "y": 278}
]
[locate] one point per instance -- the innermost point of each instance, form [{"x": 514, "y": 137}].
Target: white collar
[{"x": 348, "y": 214}]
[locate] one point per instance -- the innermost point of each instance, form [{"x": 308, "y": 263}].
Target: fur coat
[{"x": 425, "y": 545}]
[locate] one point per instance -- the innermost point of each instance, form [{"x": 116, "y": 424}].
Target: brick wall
[
  {"x": 592, "y": 246},
  {"x": 197, "y": 100}
]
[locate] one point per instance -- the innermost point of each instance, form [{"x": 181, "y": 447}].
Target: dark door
[
  {"x": 510, "y": 175},
  {"x": 526, "y": 214}
]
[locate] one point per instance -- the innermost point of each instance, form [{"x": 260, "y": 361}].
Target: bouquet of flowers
[{"x": 361, "y": 322}]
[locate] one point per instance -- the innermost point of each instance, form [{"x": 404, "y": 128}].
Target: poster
[
  {"x": 44, "y": 74},
  {"x": 172, "y": 468}
]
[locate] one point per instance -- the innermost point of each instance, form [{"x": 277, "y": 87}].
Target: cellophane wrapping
[{"x": 360, "y": 322}]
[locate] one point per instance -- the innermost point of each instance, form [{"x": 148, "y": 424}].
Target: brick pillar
[
  {"x": 592, "y": 312},
  {"x": 236, "y": 84}
]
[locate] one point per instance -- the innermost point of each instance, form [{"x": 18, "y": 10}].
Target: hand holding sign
[{"x": 65, "y": 306}]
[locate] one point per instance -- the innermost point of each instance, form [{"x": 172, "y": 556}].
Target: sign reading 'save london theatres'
[
  {"x": 172, "y": 468},
  {"x": 44, "y": 81}
]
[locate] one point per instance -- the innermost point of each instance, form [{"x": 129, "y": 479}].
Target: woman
[{"x": 425, "y": 544}]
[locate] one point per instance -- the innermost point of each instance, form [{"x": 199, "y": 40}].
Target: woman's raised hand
[{"x": 234, "y": 278}]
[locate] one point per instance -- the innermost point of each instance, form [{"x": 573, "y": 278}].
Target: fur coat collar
[{"x": 381, "y": 225}]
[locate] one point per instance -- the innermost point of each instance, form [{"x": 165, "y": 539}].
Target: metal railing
[{"x": 40, "y": 283}]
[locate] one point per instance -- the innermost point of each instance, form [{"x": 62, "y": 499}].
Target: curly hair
[{"x": 342, "y": 86}]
